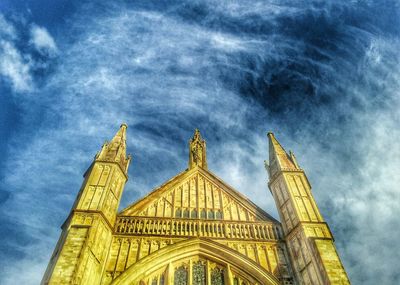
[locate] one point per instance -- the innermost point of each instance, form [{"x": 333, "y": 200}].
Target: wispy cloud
[
  {"x": 18, "y": 64},
  {"x": 14, "y": 66},
  {"x": 42, "y": 40}
]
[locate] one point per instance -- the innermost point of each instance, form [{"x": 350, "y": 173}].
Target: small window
[
  {"x": 193, "y": 215},
  {"x": 203, "y": 214},
  {"x": 186, "y": 213},
  {"x": 178, "y": 213},
  {"x": 218, "y": 215},
  {"x": 210, "y": 214}
]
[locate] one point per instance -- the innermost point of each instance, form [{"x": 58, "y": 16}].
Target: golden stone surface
[{"x": 193, "y": 229}]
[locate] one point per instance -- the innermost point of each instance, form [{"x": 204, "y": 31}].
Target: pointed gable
[{"x": 197, "y": 194}]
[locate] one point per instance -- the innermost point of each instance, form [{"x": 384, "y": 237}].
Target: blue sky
[{"x": 324, "y": 76}]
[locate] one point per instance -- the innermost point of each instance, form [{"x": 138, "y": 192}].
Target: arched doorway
[{"x": 195, "y": 261}]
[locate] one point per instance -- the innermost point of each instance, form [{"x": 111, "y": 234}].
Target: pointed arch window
[
  {"x": 218, "y": 215},
  {"x": 186, "y": 213},
  {"x": 217, "y": 276},
  {"x": 178, "y": 213},
  {"x": 181, "y": 276},
  {"x": 210, "y": 214},
  {"x": 199, "y": 273}
]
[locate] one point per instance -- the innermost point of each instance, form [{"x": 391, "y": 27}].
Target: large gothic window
[
  {"x": 217, "y": 276},
  {"x": 199, "y": 273},
  {"x": 181, "y": 276}
]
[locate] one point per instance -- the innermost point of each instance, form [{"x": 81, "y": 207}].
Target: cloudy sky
[{"x": 324, "y": 76}]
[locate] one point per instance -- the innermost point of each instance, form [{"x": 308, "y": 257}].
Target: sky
[{"x": 324, "y": 76}]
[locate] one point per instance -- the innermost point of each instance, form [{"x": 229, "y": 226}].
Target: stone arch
[{"x": 205, "y": 248}]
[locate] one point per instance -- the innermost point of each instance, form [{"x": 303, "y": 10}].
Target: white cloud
[
  {"x": 15, "y": 67},
  {"x": 6, "y": 29},
  {"x": 42, "y": 40},
  {"x": 17, "y": 64}
]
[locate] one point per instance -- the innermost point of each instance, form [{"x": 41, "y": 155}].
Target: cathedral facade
[{"x": 193, "y": 229}]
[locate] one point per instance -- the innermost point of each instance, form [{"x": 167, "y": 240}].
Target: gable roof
[{"x": 197, "y": 193}]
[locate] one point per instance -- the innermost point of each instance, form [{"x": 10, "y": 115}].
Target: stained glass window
[
  {"x": 181, "y": 276},
  {"x": 217, "y": 276},
  {"x": 199, "y": 273}
]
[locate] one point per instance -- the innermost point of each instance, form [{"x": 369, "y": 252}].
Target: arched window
[
  {"x": 217, "y": 276},
  {"x": 181, "y": 276},
  {"x": 186, "y": 213},
  {"x": 210, "y": 214},
  {"x": 193, "y": 215},
  {"x": 203, "y": 214},
  {"x": 218, "y": 215},
  {"x": 178, "y": 213},
  {"x": 199, "y": 273}
]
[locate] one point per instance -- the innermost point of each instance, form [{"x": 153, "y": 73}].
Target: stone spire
[
  {"x": 115, "y": 150},
  {"x": 278, "y": 158},
  {"x": 197, "y": 151}
]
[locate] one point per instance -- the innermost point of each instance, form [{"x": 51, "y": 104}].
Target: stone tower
[
  {"x": 81, "y": 252},
  {"x": 308, "y": 238},
  {"x": 194, "y": 229}
]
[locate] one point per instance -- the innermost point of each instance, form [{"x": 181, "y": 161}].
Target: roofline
[{"x": 239, "y": 195}]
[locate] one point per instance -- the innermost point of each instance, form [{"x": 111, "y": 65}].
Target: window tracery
[
  {"x": 181, "y": 276},
  {"x": 199, "y": 273},
  {"x": 217, "y": 276}
]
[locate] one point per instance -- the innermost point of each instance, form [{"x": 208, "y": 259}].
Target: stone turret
[{"x": 308, "y": 238}]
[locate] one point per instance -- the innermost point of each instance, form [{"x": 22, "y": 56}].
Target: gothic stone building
[{"x": 193, "y": 229}]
